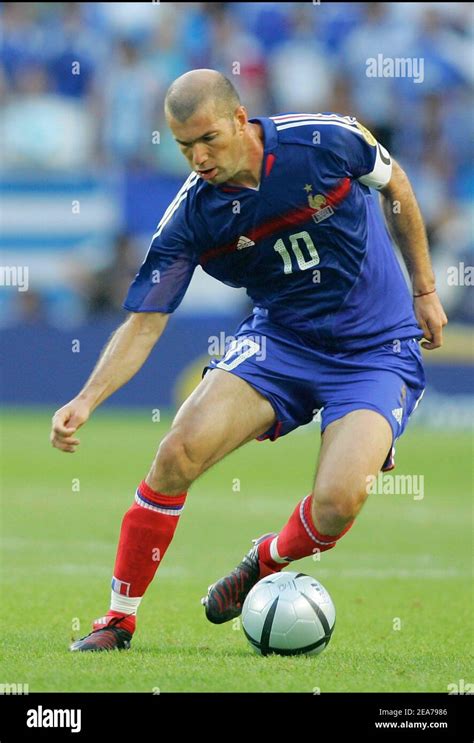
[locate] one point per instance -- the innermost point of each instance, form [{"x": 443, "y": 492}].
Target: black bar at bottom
[{"x": 111, "y": 716}]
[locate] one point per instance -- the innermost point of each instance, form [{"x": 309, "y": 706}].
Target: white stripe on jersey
[
  {"x": 294, "y": 117},
  {"x": 165, "y": 220},
  {"x": 381, "y": 172},
  {"x": 321, "y": 122},
  {"x": 180, "y": 196},
  {"x": 185, "y": 185}
]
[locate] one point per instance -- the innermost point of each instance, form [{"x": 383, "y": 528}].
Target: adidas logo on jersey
[
  {"x": 398, "y": 415},
  {"x": 244, "y": 242}
]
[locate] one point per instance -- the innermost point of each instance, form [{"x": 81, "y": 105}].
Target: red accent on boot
[{"x": 128, "y": 623}]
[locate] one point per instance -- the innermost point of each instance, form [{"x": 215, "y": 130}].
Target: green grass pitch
[{"x": 405, "y": 563}]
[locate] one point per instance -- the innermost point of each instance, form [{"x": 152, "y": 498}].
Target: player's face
[{"x": 212, "y": 145}]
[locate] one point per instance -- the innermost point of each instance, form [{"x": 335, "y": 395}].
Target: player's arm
[
  {"x": 122, "y": 357},
  {"x": 406, "y": 226},
  {"x": 156, "y": 291}
]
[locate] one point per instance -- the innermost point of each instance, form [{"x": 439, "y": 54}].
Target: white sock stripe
[
  {"x": 274, "y": 551},
  {"x": 308, "y": 530},
  {"x": 158, "y": 509}
]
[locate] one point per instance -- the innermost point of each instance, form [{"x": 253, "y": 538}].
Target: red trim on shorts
[{"x": 275, "y": 435}]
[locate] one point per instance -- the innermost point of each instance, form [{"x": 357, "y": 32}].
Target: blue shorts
[{"x": 300, "y": 380}]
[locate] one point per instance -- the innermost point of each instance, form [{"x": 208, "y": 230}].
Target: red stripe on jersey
[{"x": 295, "y": 217}]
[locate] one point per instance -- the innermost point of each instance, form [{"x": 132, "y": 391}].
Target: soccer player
[{"x": 334, "y": 327}]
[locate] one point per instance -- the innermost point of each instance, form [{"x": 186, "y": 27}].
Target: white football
[{"x": 288, "y": 613}]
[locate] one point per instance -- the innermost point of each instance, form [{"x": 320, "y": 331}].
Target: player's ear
[{"x": 241, "y": 117}]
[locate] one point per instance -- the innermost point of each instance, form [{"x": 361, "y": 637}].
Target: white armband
[{"x": 382, "y": 171}]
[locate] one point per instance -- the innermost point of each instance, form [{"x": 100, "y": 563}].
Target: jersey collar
[
  {"x": 270, "y": 142},
  {"x": 270, "y": 135}
]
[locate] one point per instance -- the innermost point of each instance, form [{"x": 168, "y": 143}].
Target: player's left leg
[
  {"x": 353, "y": 450},
  {"x": 368, "y": 400}
]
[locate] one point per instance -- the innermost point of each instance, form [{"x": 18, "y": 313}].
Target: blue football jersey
[{"x": 309, "y": 244}]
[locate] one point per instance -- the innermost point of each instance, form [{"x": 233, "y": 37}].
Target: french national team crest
[{"x": 319, "y": 203}]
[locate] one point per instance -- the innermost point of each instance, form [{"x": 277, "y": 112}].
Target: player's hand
[
  {"x": 431, "y": 319},
  {"x": 65, "y": 423}
]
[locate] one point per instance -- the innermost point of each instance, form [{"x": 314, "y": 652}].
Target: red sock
[
  {"x": 147, "y": 530},
  {"x": 298, "y": 538}
]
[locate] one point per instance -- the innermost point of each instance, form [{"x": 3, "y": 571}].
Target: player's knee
[
  {"x": 334, "y": 506},
  {"x": 174, "y": 460}
]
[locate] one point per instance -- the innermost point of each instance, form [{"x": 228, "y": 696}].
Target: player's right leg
[{"x": 221, "y": 414}]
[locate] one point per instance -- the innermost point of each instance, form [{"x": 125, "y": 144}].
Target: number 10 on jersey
[{"x": 303, "y": 263}]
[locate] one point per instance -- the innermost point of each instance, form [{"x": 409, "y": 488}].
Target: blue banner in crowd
[{"x": 48, "y": 365}]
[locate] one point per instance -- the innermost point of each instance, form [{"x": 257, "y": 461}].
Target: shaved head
[
  {"x": 211, "y": 127},
  {"x": 198, "y": 87}
]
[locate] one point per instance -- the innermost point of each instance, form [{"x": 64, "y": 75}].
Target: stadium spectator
[
  {"x": 104, "y": 289},
  {"x": 284, "y": 57}
]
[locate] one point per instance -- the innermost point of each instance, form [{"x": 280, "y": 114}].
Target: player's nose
[{"x": 200, "y": 156}]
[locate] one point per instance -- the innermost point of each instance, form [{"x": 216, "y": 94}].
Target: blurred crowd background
[{"x": 88, "y": 165}]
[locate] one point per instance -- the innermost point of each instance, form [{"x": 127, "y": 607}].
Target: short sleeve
[
  {"x": 169, "y": 264},
  {"x": 366, "y": 159}
]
